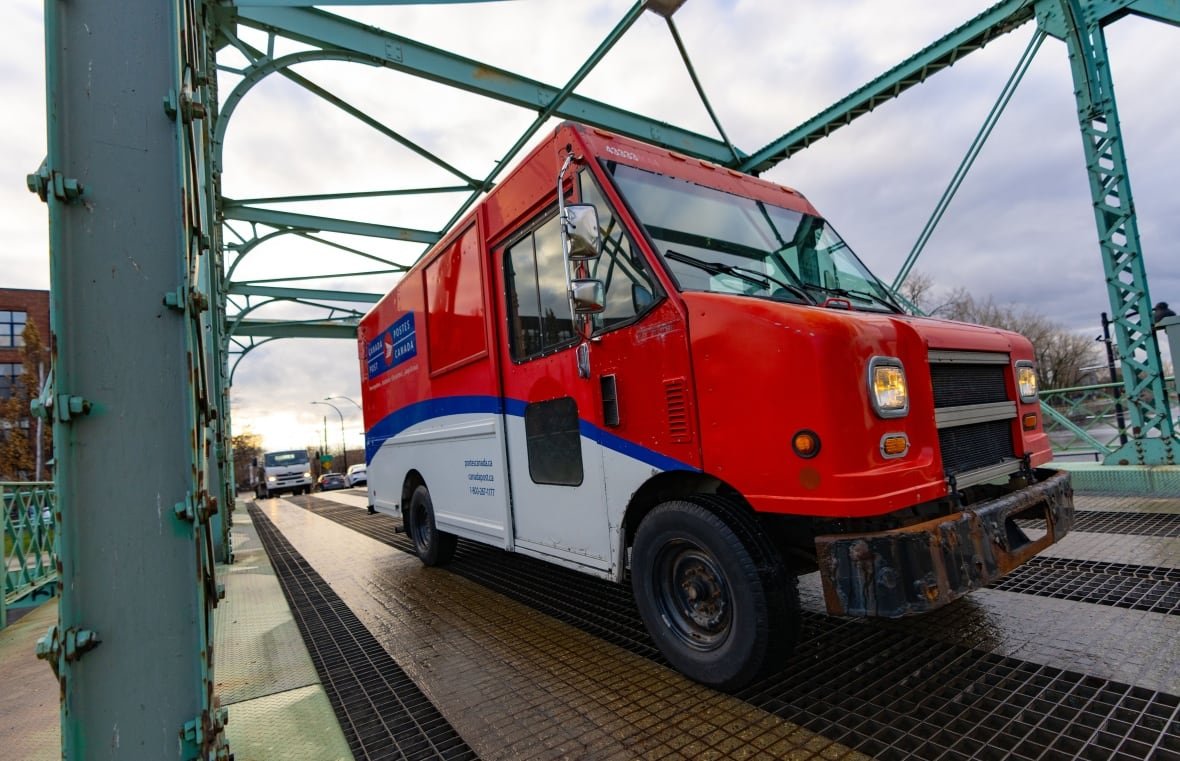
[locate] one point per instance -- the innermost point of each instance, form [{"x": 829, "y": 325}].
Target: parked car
[
  {"x": 330, "y": 481},
  {"x": 357, "y": 475}
]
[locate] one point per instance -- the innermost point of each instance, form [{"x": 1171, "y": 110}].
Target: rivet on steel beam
[
  {"x": 40, "y": 409},
  {"x": 170, "y": 105},
  {"x": 185, "y": 509},
  {"x": 38, "y": 182},
  {"x": 198, "y": 301},
  {"x": 175, "y": 299},
  {"x": 69, "y": 407}
]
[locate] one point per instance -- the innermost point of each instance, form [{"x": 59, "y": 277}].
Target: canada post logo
[{"x": 392, "y": 346}]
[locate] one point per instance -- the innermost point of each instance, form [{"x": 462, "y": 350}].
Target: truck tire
[
  {"x": 712, "y": 593},
  {"x": 434, "y": 547}
]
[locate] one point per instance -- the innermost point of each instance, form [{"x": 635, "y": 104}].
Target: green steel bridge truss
[{"x": 142, "y": 237}]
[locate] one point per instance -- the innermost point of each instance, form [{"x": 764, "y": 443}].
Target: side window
[
  {"x": 629, "y": 285},
  {"x": 538, "y": 307}
]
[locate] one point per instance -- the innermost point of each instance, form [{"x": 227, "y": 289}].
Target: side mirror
[
  {"x": 579, "y": 233},
  {"x": 588, "y": 296}
]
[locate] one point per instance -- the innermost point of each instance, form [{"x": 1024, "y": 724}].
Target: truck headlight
[
  {"x": 307, "y": 474},
  {"x": 272, "y": 478},
  {"x": 887, "y": 387},
  {"x": 1026, "y": 381}
]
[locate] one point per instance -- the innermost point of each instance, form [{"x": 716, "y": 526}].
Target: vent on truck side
[{"x": 676, "y": 394}]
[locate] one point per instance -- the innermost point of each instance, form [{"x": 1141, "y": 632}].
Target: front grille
[
  {"x": 956, "y": 385},
  {"x": 967, "y": 447}
]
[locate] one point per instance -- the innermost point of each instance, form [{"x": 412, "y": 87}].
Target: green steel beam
[
  {"x": 286, "y": 219},
  {"x": 242, "y": 289},
  {"x": 554, "y": 104},
  {"x": 126, "y": 190},
  {"x": 987, "y": 26},
  {"x": 263, "y": 65},
  {"x": 1167, "y": 11},
  {"x": 321, "y": 29},
  {"x": 231, "y": 202},
  {"x": 295, "y": 329},
  {"x": 306, "y": 3},
  {"x": 696, "y": 83},
  {"x": 976, "y": 146},
  {"x": 1154, "y": 440}
]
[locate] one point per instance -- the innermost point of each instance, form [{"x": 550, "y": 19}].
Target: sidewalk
[{"x": 277, "y": 707}]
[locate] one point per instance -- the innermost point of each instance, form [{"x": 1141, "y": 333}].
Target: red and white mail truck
[{"x": 681, "y": 373}]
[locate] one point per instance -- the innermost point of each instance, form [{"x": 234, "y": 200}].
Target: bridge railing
[
  {"x": 30, "y": 561},
  {"x": 1088, "y": 422}
]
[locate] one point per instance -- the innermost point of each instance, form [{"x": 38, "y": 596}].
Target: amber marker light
[
  {"x": 1029, "y": 421},
  {"x": 806, "y": 444},
  {"x": 894, "y": 444}
]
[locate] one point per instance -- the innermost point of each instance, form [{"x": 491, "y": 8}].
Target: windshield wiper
[
  {"x": 867, "y": 296},
  {"x": 750, "y": 276}
]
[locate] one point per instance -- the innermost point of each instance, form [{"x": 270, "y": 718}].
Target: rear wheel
[
  {"x": 713, "y": 593},
  {"x": 434, "y": 547}
]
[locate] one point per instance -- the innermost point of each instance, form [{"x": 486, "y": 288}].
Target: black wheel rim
[
  {"x": 693, "y": 595},
  {"x": 420, "y": 525}
]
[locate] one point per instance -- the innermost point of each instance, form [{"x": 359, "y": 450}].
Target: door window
[{"x": 538, "y": 307}]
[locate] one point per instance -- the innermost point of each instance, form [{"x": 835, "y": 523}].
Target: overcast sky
[{"x": 1020, "y": 230}]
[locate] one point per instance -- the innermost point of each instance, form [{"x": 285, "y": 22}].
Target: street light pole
[{"x": 343, "y": 443}]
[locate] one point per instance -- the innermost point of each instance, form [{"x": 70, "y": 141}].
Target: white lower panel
[{"x": 461, "y": 458}]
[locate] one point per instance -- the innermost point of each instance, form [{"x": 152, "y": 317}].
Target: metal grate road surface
[
  {"x": 1138, "y": 587},
  {"x": 889, "y": 693},
  {"x": 1113, "y": 522},
  {"x": 382, "y": 712}
]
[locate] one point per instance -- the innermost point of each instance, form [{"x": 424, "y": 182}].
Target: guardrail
[
  {"x": 1088, "y": 422},
  {"x": 30, "y": 560}
]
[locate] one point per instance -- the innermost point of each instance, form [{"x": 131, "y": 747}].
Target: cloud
[{"x": 1021, "y": 229}]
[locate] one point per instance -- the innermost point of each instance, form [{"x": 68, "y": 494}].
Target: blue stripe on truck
[{"x": 400, "y": 420}]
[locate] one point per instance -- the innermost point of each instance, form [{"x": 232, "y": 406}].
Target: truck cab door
[
  {"x": 555, "y": 473},
  {"x": 589, "y": 422}
]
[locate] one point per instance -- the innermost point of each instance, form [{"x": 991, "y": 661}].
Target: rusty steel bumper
[{"x": 922, "y": 567}]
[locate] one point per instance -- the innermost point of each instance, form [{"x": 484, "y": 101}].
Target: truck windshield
[
  {"x": 716, "y": 241},
  {"x": 279, "y": 459}
]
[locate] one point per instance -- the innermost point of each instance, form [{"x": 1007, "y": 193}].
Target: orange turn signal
[
  {"x": 1029, "y": 421},
  {"x": 894, "y": 445},
  {"x": 806, "y": 444}
]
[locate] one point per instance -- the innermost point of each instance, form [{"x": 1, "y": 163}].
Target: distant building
[{"x": 18, "y": 307}]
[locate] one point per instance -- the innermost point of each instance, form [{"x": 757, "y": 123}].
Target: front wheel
[
  {"x": 434, "y": 547},
  {"x": 712, "y": 594}
]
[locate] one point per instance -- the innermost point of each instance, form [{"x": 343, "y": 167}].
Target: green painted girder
[
  {"x": 1056, "y": 20},
  {"x": 226, "y": 203},
  {"x": 286, "y": 219},
  {"x": 987, "y": 26},
  {"x": 296, "y": 329},
  {"x": 262, "y": 65},
  {"x": 1154, "y": 440},
  {"x": 1167, "y": 11},
  {"x": 321, "y": 29},
  {"x": 242, "y": 289},
  {"x": 555, "y": 103},
  {"x": 305, "y": 3}
]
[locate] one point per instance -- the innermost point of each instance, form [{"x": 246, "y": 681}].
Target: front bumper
[{"x": 919, "y": 568}]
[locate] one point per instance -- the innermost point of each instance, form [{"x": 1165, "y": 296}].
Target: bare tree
[
  {"x": 1062, "y": 356},
  {"x": 247, "y": 448}
]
